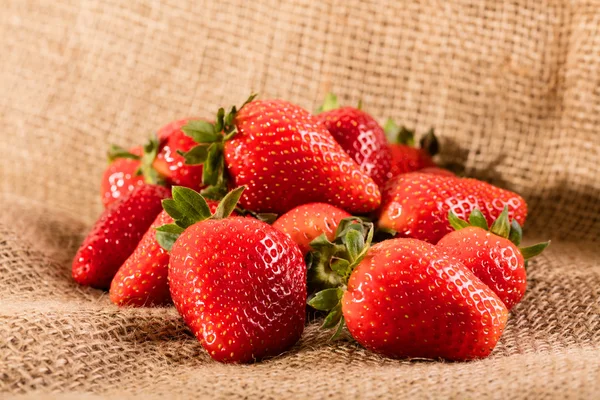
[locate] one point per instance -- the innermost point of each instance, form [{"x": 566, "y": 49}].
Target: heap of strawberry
[{"x": 187, "y": 221}]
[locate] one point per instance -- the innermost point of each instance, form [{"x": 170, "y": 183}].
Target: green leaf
[
  {"x": 456, "y": 222},
  {"x": 171, "y": 228},
  {"x": 166, "y": 239},
  {"x": 327, "y": 299},
  {"x": 339, "y": 330},
  {"x": 341, "y": 267},
  {"x": 202, "y": 132},
  {"x": 191, "y": 205},
  {"x": 116, "y": 152},
  {"x": 355, "y": 243},
  {"x": 220, "y": 124},
  {"x": 532, "y": 251},
  {"x": 228, "y": 204},
  {"x": 345, "y": 224},
  {"x": 170, "y": 207},
  {"x": 333, "y": 318},
  {"x": 516, "y": 233},
  {"x": 321, "y": 242},
  {"x": 196, "y": 155},
  {"x": 391, "y": 129},
  {"x": 501, "y": 226},
  {"x": 330, "y": 103},
  {"x": 150, "y": 151},
  {"x": 249, "y": 99},
  {"x": 229, "y": 118},
  {"x": 477, "y": 219},
  {"x": 213, "y": 165},
  {"x": 430, "y": 143},
  {"x": 215, "y": 192},
  {"x": 360, "y": 104}
]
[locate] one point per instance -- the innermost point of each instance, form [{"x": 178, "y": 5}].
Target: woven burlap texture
[{"x": 512, "y": 88}]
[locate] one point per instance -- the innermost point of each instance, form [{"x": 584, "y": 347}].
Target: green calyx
[
  {"x": 211, "y": 138},
  {"x": 188, "y": 207},
  {"x": 401, "y": 135},
  {"x": 330, "y": 265},
  {"x": 501, "y": 227},
  {"x": 148, "y": 156},
  {"x": 331, "y": 103}
]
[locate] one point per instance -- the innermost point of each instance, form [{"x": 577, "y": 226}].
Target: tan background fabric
[{"x": 512, "y": 87}]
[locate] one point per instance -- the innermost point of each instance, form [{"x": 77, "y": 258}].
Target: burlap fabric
[{"x": 513, "y": 89}]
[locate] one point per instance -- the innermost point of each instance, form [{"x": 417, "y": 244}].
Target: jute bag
[{"x": 512, "y": 88}]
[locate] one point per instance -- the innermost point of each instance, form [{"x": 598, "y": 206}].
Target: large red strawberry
[
  {"x": 304, "y": 223},
  {"x": 405, "y": 156},
  {"x": 405, "y": 298},
  {"x": 417, "y": 204},
  {"x": 239, "y": 283},
  {"x": 492, "y": 253},
  {"x": 360, "y": 136},
  {"x": 142, "y": 279},
  {"x": 116, "y": 234},
  {"x": 122, "y": 174},
  {"x": 170, "y": 163},
  {"x": 284, "y": 156}
]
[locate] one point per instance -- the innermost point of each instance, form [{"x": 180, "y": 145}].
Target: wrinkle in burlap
[{"x": 513, "y": 89}]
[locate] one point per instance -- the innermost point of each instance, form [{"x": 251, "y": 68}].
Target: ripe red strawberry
[
  {"x": 121, "y": 176},
  {"x": 360, "y": 136},
  {"x": 405, "y": 156},
  {"x": 405, "y": 298},
  {"x": 170, "y": 164},
  {"x": 493, "y": 255},
  {"x": 308, "y": 221},
  {"x": 116, "y": 234},
  {"x": 285, "y": 157},
  {"x": 239, "y": 283},
  {"x": 417, "y": 204},
  {"x": 142, "y": 279}
]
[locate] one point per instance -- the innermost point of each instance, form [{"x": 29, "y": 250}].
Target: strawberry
[
  {"x": 492, "y": 253},
  {"x": 405, "y": 298},
  {"x": 121, "y": 176},
  {"x": 142, "y": 279},
  {"x": 405, "y": 156},
  {"x": 360, "y": 136},
  {"x": 239, "y": 284},
  {"x": 285, "y": 157},
  {"x": 417, "y": 204},
  {"x": 170, "y": 163},
  {"x": 116, "y": 234},
  {"x": 436, "y": 171},
  {"x": 304, "y": 223},
  {"x": 128, "y": 170}
]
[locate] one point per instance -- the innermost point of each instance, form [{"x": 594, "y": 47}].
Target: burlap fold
[{"x": 512, "y": 89}]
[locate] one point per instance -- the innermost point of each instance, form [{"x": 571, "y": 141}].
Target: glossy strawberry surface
[
  {"x": 287, "y": 158},
  {"x": 362, "y": 138},
  {"x": 408, "y": 159},
  {"x": 417, "y": 204},
  {"x": 408, "y": 299},
  {"x": 116, "y": 234},
  {"x": 170, "y": 164},
  {"x": 142, "y": 279},
  {"x": 120, "y": 178},
  {"x": 304, "y": 223},
  {"x": 240, "y": 286},
  {"x": 493, "y": 259}
]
